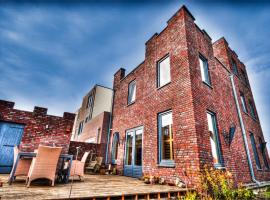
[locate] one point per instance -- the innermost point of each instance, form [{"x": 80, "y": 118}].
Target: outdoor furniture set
[{"x": 43, "y": 163}]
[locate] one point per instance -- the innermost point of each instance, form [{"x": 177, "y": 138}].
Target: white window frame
[
  {"x": 214, "y": 141},
  {"x": 161, "y": 83},
  {"x": 243, "y": 102},
  {"x": 132, "y": 92},
  {"x": 204, "y": 67}
]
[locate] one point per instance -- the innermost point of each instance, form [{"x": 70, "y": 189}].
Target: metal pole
[{"x": 242, "y": 125}]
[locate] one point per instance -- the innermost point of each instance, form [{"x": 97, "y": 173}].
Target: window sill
[
  {"x": 219, "y": 166},
  {"x": 169, "y": 164},
  {"x": 207, "y": 84},
  {"x": 159, "y": 87},
  {"x": 259, "y": 169},
  {"x": 131, "y": 103}
]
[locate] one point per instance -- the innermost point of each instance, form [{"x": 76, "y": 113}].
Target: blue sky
[{"x": 52, "y": 54}]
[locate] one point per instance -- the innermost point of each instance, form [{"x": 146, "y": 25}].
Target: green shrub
[
  {"x": 218, "y": 184},
  {"x": 191, "y": 196}
]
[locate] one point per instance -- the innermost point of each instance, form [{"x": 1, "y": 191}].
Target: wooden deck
[{"x": 93, "y": 187}]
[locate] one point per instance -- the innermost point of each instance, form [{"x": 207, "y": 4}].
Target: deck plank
[{"x": 92, "y": 186}]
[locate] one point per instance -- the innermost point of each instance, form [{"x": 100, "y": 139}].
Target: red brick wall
[
  {"x": 188, "y": 98},
  {"x": 35, "y": 131},
  {"x": 151, "y": 100},
  {"x": 224, "y": 53}
]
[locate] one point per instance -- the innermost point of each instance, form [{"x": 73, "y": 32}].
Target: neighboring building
[
  {"x": 189, "y": 103},
  {"x": 93, "y": 117},
  {"x": 29, "y": 129}
]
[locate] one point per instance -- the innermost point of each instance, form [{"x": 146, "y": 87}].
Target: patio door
[
  {"x": 133, "y": 152},
  {"x": 10, "y": 135}
]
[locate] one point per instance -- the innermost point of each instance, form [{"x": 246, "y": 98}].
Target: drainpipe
[
  {"x": 243, "y": 131},
  {"x": 109, "y": 131}
]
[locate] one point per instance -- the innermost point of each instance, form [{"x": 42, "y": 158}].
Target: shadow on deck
[{"x": 93, "y": 187}]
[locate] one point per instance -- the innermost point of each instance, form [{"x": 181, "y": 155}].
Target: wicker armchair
[
  {"x": 44, "y": 164},
  {"x": 23, "y": 165},
  {"x": 77, "y": 167}
]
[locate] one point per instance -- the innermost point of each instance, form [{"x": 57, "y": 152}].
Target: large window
[
  {"x": 204, "y": 70},
  {"x": 164, "y": 71},
  {"x": 251, "y": 109},
  {"x": 243, "y": 101},
  {"x": 255, "y": 153},
  {"x": 166, "y": 155},
  {"x": 131, "y": 92},
  {"x": 115, "y": 147},
  {"x": 263, "y": 152},
  {"x": 234, "y": 67},
  {"x": 80, "y": 129},
  {"x": 214, "y": 139}
]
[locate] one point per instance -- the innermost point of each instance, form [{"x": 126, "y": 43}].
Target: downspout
[
  {"x": 109, "y": 130},
  {"x": 243, "y": 130}
]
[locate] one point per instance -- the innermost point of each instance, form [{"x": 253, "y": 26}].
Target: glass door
[{"x": 133, "y": 153}]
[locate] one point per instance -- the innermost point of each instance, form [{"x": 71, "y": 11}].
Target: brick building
[
  {"x": 93, "y": 118},
  {"x": 189, "y": 103},
  {"x": 29, "y": 129}
]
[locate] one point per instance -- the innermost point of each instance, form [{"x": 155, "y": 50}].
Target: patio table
[{"x": 32, "y": 155}]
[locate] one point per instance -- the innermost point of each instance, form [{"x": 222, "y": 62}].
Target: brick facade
[
  {"x": 189, "y": 99},
  {"x": 39, "y": 128}
]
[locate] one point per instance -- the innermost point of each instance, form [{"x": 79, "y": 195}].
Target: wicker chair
[
  {"x": 44, "y": 164},
  {"x": 77, "y": 167},
  {"x": 22, "y": 166}
]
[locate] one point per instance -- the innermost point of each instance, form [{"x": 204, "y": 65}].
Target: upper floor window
[
  {"x": 164, "y": 71},
  {"x": 255, "y": 153},
  {"x": 263, "y": 152},
  {"x": 90, "y": 101},
  {"x": 80, "y": 129},
  {"x": 131, "y": 92},
  {"x": 204, "y": 70},
  {"x": 243, "y": 101},
  {"x": 251, "y": 109},
  {"x": 166, "y": 155},
  {"x": 234, "y": 67},
  {"x": 214, "y": 139},
  {"x": 244, "y": 76}
]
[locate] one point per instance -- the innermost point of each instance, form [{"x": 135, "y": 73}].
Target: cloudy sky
[{"x": 52, "y": 54}]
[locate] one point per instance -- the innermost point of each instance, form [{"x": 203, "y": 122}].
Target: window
[
  {"x": 234, "y": 67},
  {"x": 166, "y": 155},
  {"x": 204, "y": 70},
  {"x": 131, "y": 92},
  {"x": 90, "y": 101},
  {"x": 115, "y": 147},
  {"x": 244, "y": 77},
  {"x": 98, "y": 136},
  {"x": 243, "y": 101},
  {"x": 251, "y": 109},
  {"x": 164, "y": 71},
  {"x": 263, "y": 151},
  {"x": 214, "y": 139},
  {"x": 254, "y": 148},
  {"x": 80, "y": 128}
]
